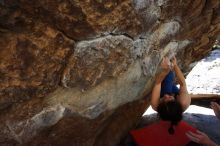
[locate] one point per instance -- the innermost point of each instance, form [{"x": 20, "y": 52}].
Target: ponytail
[
  {"x": 171, "y": 128},
  {"x": 170, "y": 111}
]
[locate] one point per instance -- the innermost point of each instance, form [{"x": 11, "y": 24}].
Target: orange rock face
[{"x": 75, "y": 72}]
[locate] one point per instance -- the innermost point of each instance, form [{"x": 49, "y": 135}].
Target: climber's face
[{"x": 167, "y": 98}]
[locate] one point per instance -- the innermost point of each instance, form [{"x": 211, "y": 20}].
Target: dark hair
[{"x": 170, "y": 111}]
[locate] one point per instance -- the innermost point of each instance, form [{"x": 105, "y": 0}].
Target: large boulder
[{"x": 79, "y": 72}]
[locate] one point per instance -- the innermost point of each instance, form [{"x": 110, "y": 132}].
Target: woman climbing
[{"x": 167, "y": 99}]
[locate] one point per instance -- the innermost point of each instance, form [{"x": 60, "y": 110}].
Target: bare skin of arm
[
  {"x": 184, "y": 98},
  {"x": 216, "y": 108},
  {"x": 201, "y": 138},
  {"x": 155, "y": 97}
]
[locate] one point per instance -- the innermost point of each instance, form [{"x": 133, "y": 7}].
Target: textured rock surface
[{"x": 76, "y": 72}]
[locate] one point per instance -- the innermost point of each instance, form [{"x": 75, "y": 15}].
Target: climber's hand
[{"x": 165, "y": 64}]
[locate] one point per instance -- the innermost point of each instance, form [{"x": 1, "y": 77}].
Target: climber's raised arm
[
  {"x": 155, "y": 97},
  {"x": 183, "y": 98}
]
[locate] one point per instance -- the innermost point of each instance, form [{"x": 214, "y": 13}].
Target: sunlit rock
[{"x": 79, "y": 72}]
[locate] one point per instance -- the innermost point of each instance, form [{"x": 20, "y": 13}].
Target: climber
[{"x": 167, "y": 99}]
